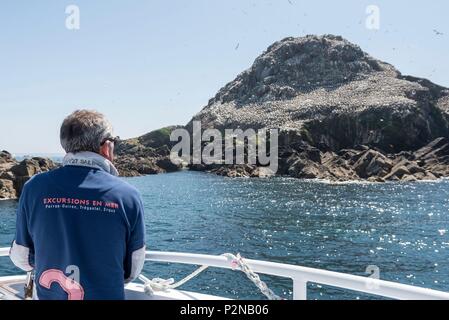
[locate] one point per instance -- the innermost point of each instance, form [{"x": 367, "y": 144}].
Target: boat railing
[{"x": 302, "y": 276}]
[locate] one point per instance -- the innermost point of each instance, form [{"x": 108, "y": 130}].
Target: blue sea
[{"x": 399, "y": 227}]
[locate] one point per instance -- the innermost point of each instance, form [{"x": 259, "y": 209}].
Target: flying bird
[{"x": 438, "y": 33}]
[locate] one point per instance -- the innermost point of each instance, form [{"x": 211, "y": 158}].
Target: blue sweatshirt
[{"x": 82, "y": 230}]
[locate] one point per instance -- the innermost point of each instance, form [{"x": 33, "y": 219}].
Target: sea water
[{"x": 398, "y": 228}]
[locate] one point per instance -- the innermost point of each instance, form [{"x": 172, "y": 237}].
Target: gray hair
[{"x": 84, "y": 130}]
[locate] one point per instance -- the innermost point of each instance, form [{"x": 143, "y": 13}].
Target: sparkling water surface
[{"x": 399, "y": 227}]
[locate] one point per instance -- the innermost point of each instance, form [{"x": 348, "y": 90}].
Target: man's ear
[{"x": 107, "y": 150}]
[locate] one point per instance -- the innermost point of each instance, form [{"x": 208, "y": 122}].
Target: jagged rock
[
  {"x": 131, "y": 166},
  {"x": 372, "y": 163},
  {"x": 305, "y": 169},
  {"x": 198, "y": 167},
  {"x": 397, "y": 173},
  {"x": 437, "y": 148},
  {"x": 414, "y": 168},
  {"x": 262, "y": 172},
  {"x": 409, "y": 178},
  {"x": 376, "y": 179},
  {"x": 234, "y": 171},
  {"x": 27, "y": 168},
  {"x": 7, "y": 190},
  {"x": 167, "y": 165},
  {"x": 148, "y": 169},
  {"x": 430, "y": 176},
  {"x": 7, "y": 175},
  {"x": 348, "y": 164},
  {"x": 14, "y": 175},
  {"x": 5, "y": 157}
]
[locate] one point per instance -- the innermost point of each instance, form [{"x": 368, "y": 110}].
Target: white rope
[
  {"x": 158, "y": 284},
  {"x": 237, "y": 263}
]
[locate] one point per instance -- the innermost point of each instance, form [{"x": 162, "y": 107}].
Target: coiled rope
[{"x": 237, "y": 263}]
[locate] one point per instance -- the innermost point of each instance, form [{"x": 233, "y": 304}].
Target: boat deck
[{"x": 12, "y": 288}]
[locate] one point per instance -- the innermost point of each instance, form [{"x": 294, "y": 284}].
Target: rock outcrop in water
[
  {"x": 14, "y": 174},
  {"x": 342, "y": 115},
  {"x": 363, "y": 163}
]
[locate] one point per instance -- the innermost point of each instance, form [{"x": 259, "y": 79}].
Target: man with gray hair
[{"x": 80, "y": 228}]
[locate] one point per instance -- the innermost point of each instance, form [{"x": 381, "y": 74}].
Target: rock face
[
  {"x": 342, "y": 114},
  {"x": 372, "y": 164},
  {"x": 428, "y": 163},
  {"x": 7, "y": 190},
  {"x": 333, "y": 95},
  {"x": 148, "y": 154},
  {"x": 14, "y": 175}
]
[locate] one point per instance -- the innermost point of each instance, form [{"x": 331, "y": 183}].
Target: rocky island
[
  {"x": 14, "y": 174},
  {"x": 342, "y": 115}
]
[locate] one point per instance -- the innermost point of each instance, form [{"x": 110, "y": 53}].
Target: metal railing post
[{"x": 299, "y": 289}]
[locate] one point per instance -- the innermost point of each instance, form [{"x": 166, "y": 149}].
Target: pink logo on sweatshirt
[{"x": 73, "y": 289}]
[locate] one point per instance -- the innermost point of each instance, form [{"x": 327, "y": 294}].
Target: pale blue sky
[{"x": 148, "y": 64}]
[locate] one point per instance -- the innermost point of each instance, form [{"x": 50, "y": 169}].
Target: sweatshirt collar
[{"x": 90, "y": 160}]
